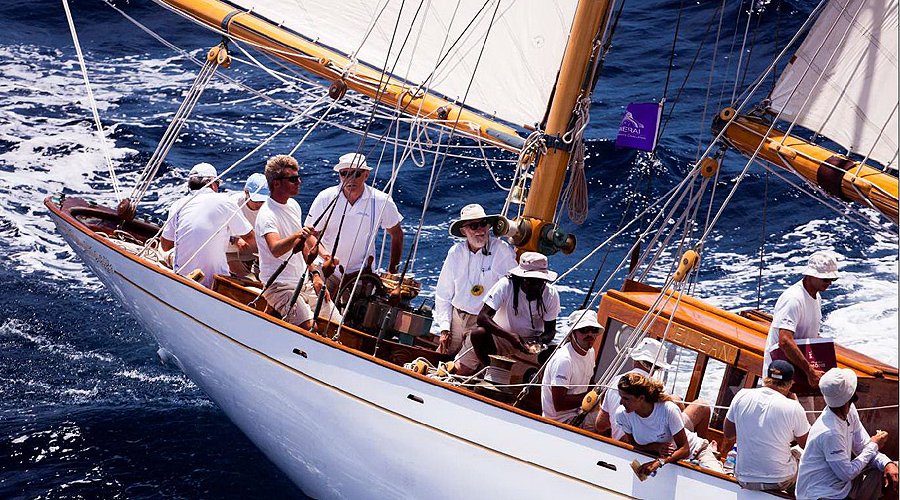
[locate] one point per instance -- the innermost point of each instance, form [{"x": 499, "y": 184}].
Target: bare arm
[
  {"x": 486, "y": 321},
  {"x": 166, "y": 244},
  {"x": 730, "y": 432},
  {"x": 789, "y": 346},
  {"x": 682, "y": 450},
  {"x": 801, "y": 440},
  {"x": 602, "y": 424},
  {"x": 396, "y": 234},
  {"x": 563, "y": 401},
  {"x": 549, "y": 331},
  {"x": 280, "y": 246}
]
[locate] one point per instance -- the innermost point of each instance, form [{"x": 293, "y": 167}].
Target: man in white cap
[
  {"x": 841, "y": 460},
  {"x": 200, "y": 225},
  {"x": 649, "y": 359},
  {"x": 471, "y": 268},
  {"x": 568, "y": 373},
  {"x": 278, "y": 233},
  {"x": 765, "y": 420},
  {"x": 518, "y": 315},
  {"x": 350, "y": 214},
  {"x": 241, "y": 254},
  {"x": 798, "y": 315}
]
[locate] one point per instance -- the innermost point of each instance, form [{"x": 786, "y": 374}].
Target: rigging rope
[{"x": 92, "y": 103}]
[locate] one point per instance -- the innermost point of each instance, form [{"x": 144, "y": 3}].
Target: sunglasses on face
[
  {"x": 357, "y": 173},
  {"x": 289, "y": 178},
  {"x": 477, "y": 224},
  {"x": 829, "y": 280}
]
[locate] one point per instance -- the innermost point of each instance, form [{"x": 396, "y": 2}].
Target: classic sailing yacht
[{"x": 360, "y": 412}]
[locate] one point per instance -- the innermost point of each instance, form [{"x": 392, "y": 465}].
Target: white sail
[
  {"x": 845, "y": 76},
  {"x": 517, "y": 70}
]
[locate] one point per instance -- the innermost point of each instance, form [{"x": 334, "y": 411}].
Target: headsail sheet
[
  {"x": 845, "y": 76},
  {"x": 518, "y": 68}
]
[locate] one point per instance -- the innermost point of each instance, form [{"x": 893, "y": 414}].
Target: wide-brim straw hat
[
  {"x": 533, "y": 265},
  {"x": 469, "y": 213},
  {"x": 352, "y": 160}
]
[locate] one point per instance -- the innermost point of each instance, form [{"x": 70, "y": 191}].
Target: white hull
[{"x": 343, "y": 425}]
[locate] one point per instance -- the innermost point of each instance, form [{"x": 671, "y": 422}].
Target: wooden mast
[{"x": 550, "y": 172}]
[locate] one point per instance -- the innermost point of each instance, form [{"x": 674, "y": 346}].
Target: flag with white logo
[{"x": 638, "y": 127}]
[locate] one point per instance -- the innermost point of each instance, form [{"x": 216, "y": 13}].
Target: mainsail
[{"x": 841, "y": 83}]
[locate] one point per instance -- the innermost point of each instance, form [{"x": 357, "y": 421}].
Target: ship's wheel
[{"x": 367, "y": 289}]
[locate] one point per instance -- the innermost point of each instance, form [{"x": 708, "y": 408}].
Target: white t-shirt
[
  {"x": 795, "y": 311},
  {"x": 528, "y": 323},
  {"x": 568, "y": 369},
  {"x": 766, "y": 423},
  {"x": 360, "y": 223},
  {"x": 831, "y": 445},
  {"x": 461, "y": 271},
  {"x": 238, "y": 197},
  {"x": 612, "y": 401},
  {"x": 202, "y": 225},
  {"x": 283, "y": 219},
  {"x": 659, "y": 427}
]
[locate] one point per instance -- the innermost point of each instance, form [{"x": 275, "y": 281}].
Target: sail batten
[{"x": 831, "y": 84}]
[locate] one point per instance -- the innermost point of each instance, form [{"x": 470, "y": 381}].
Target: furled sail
[{"x": 841, "y": 83}]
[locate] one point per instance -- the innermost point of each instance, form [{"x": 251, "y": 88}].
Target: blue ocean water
[{"x": 85, "y": 408}]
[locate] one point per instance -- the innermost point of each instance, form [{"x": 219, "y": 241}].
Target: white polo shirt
[
  {"x": 283, "y": 219},
  {"x": 795, "y": 311},
  {"x": 202, "y": 225},
  {"x": 463, "y": 270},
  {"x": 360, "y": 223},
  {"x": 566, "y": 368},
  {"x": 659, "y": 427},
  {"x": 766, "y": 422},
  {"x": 527, "y": 321}
]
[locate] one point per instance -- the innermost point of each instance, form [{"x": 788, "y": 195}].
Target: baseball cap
[
  {"x": 257, "y": 187},
  {"x": 203, "y": 170},
  {"x": 780, "y": 369},
  {"x": 838, "y": 386}
]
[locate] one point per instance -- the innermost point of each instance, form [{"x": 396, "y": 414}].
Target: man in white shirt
[
  {"x": 199, "y": 226},
  {"x": 471, "y": 268},
  {"x": 765, "y": 421},
  {"x": 798, "y": 314},
  {"x": 649, "y": 359},
  {"x": 350, "y": 215},
  {"x": 241, "y": 254},
  {"x": 841, "y": 460},
  {"x": 568, "y": 373},
  {"x": 518, "y": 316},
  {"x": 279, "y": 235}
]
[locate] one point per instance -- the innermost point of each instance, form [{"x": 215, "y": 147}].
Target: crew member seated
[
  {"x": 567, "y": 374},
  {"x": 472, "y": 267},
  {"x": 518, "y": 315},
  {"x": 241, "y": 254}
]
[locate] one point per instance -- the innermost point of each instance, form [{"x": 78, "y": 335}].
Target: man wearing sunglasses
[
  {"x": 798, "y": 315},
  {"x": 351, "y": 214},
  {"x": 471, "y": 268},
  {"x": 278, "y": 232}
]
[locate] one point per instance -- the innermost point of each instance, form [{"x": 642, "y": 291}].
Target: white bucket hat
[
  {"x": 468, "y": 213},
  {"x": 533, "y": 265},
  {"x": 821, "y": 265},
  {"x": 352, "y": 160},
  {"x": 201, "y": 170},
  {"x": 257, "y": 187},
  {"x": 584, "y": 318},
  {"x": 838, "y": 386},
  {"x": 651, "y": 351}
]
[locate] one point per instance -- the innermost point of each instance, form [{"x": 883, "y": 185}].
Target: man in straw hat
[
  {"x": 841, "y": 460},
  {"x": 518, "y": 315},
  {"x": 568, "y": 373},
  {"x": 200, "y": 225},
  {"x": 798, "y": 315},
  {"x": 350, "y": 214},
  {"x": 765, "y": 420},
  {"x": 471, "y": 268},
  {"x": 649, "y": 359}
]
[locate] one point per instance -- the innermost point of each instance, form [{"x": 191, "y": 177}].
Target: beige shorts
[
  {"x": 468, "y": 359},
  {"x": 279, "y": 294},
  {"x": 461, "y": 323}
]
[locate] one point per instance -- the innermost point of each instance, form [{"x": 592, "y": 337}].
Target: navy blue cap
[{"x": 780, "y": 369}]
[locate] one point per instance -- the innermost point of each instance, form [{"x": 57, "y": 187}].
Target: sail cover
[
  {"x": 437, "y": 43},
  {"x": 845, "y": 76}
]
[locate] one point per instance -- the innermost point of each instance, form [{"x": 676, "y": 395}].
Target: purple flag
[{"x": 638, "y": 127}]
